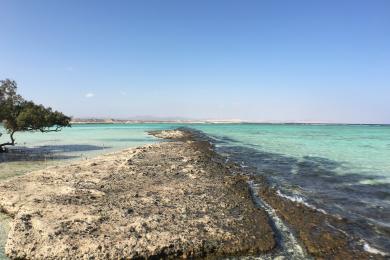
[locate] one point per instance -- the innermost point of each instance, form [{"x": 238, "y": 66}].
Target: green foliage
[
  {"x": 8, "y": 98},
  {"x": 18, "y": 114},
  {"x": 34, "y": 117}
]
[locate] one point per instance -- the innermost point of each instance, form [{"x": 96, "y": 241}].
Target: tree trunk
[{"x": 2, "y": 146}]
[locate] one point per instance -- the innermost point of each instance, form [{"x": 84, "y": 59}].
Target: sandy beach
[{"x": 175, "y": 199}]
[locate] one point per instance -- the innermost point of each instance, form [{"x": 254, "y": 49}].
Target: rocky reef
[
  {"x": 168, "y": 200},
  {"x": 176, "y": 199}
]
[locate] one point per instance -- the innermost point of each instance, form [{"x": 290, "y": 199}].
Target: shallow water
[
  {"x": 36, "y": 150},
  {"x": 339, "y": 169},
  {"x": 343, "y": 170}
]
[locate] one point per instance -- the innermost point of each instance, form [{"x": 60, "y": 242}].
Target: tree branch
[{"x": 8, "y": 143}]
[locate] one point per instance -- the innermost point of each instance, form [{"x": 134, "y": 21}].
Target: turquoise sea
[{"x": 339, "y": 169}]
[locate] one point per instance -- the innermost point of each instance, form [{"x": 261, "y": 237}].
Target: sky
[{"x": 264, "y": 60}]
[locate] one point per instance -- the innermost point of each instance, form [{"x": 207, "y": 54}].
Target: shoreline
[
  {"x": 190, "y": 165},
  {"x": 190, "y": 122},
  {"x": 324, "y": 236}
]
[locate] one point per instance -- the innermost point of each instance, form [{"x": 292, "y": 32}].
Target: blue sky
[{"x": 316, "y": 61}]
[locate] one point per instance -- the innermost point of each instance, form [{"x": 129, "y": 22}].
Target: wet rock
[{"x": 321, "y": 234}]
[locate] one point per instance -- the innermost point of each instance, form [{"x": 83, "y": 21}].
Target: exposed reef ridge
[
  {"x": 172, "y": 199},
  {"x": 176, "y": 199}
]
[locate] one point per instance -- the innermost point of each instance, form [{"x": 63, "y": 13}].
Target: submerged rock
[{"x": 322, "y": 235}]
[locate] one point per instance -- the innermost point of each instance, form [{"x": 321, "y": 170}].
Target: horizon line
[{"x": 108, "y": 120}]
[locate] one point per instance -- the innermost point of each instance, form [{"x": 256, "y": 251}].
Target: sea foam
[
  {"x": 372, "y": 250},
  {"x": 300, "y": 200}
]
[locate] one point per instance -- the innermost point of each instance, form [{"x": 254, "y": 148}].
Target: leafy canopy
[{"x": 17, "y": 114}]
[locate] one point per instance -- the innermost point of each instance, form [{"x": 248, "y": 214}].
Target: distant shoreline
[{"x": 123, "y": 121}]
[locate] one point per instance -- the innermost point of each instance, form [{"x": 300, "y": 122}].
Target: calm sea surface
[{"x": 340, "y": 169}]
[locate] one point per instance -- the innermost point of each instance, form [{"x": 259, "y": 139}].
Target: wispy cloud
[{"x": 89, "y": 95}]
